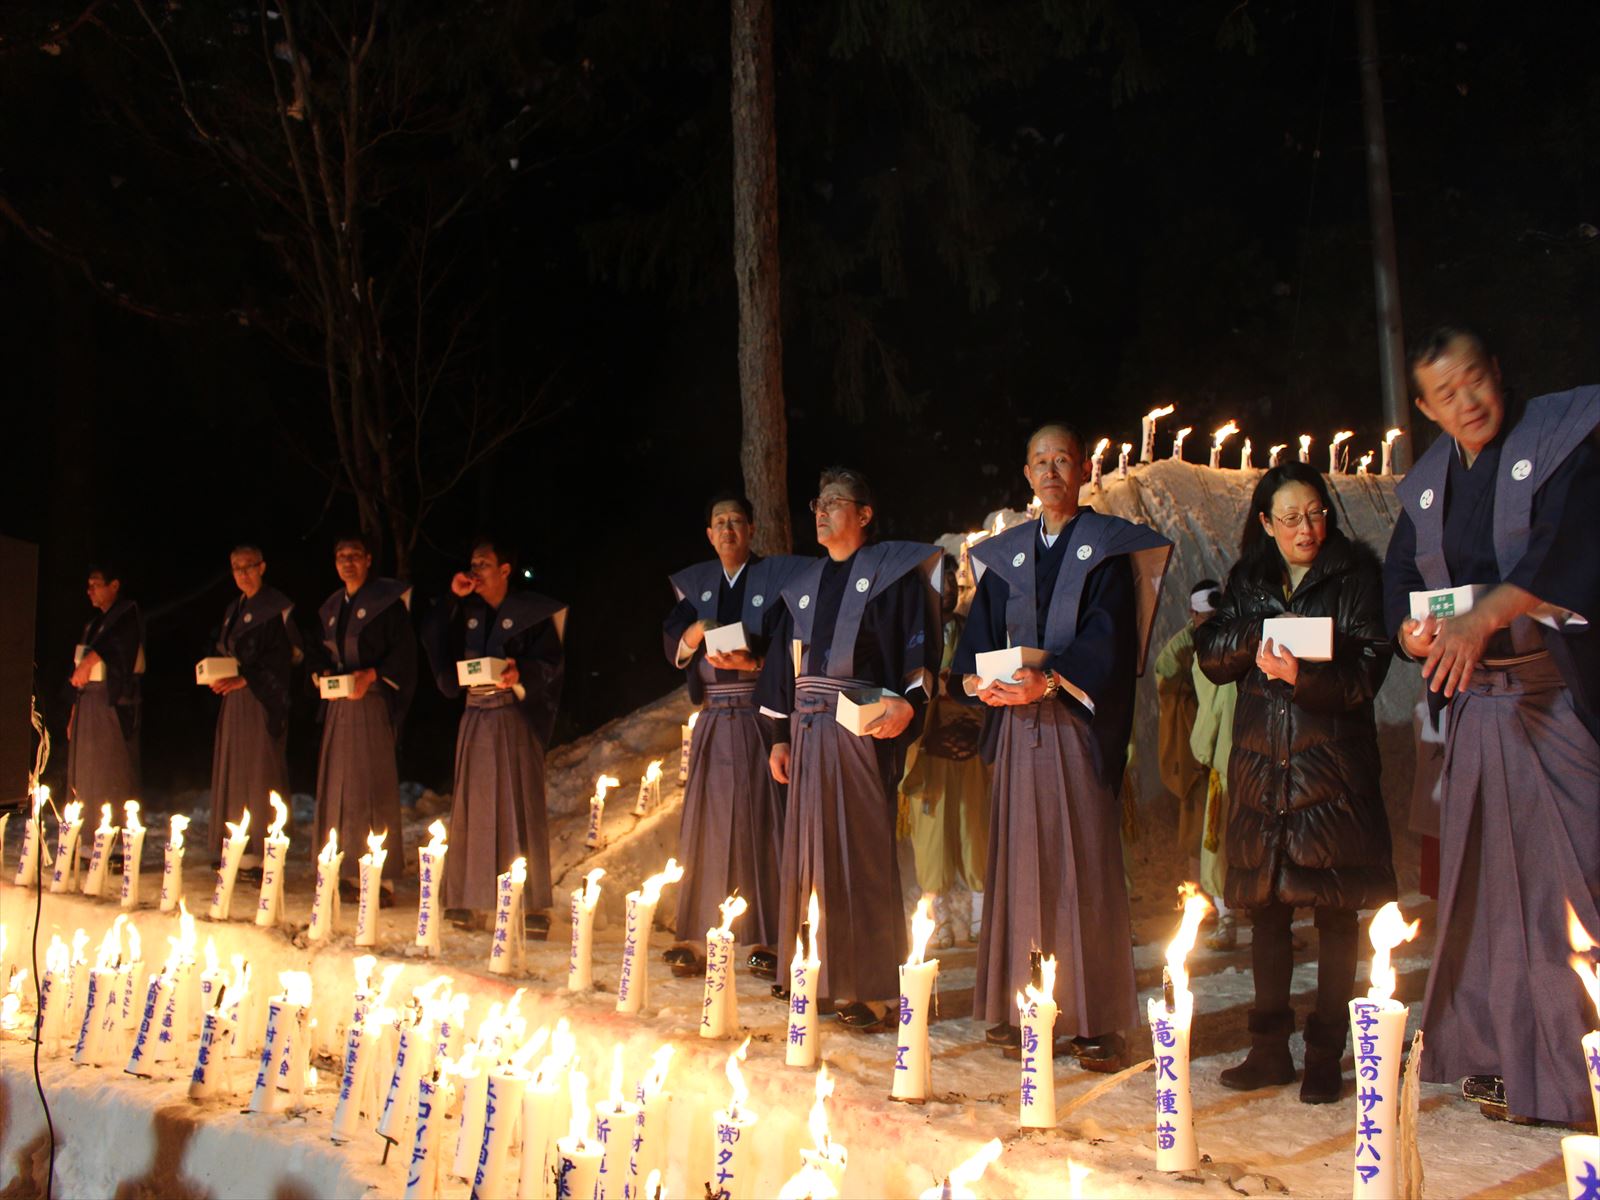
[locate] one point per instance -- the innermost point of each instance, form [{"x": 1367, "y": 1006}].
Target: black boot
[
  {"x": 1269, "y": 1063},
  {"x": 1323, "y": 1081}
]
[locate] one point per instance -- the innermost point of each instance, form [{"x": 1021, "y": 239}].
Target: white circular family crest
[
  {"x": 705, "y": 595},
  {"x": 248, "y": 617},
  {"x": 361, "y": 614},
  {"x": 862, "y": 584},
  {"x": 1426, "y": 499},
  {"x": 1521, "y": 469},
  {"x": 757, "y": 600},
  {"x": 1084, "y": 552},
  {"x": 1019, "y": 560},
  {"x": 472, "y": 622},
  {"x": 805, "y": 602},
  {"x": 505, "y": 622}
]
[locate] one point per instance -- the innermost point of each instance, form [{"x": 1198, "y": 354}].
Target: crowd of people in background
[{"x": 849, "y": 699}]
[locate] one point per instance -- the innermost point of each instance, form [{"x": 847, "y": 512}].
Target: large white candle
[
  {"x": 912, "y": 1058},
  {"x": 371, "y": 867},
  {"x": 577, "y": 1155},
  {"x": 649, "y": 1150},
  {"x": 50, "y": 1020},
  {"x": 545, "y": 1112},
  {"x": 1580, "y": 1159},
  {"x": 509, "y": 947},
  {"x": 719, "y": 1006},
  {"x": 733, "y": 1152},
  {"x": 1036, "y": 1018},
  {"x": 633, "y": 984},
  {"x": 1147, "y": 432},
  {"x": 1171, "y": 1016},
  {"x": 132, "y": 852},
  {"x": 1337, "y": 457},
  {"x": 502, "y": 1118},
  {"x": 1177, "y": 441},
  {"x": 426, "y": 1169},
  {"x": 1275, "y": 454},
  {"x": 1122, "y": 460},
  {"x": 211, "y": 1071},
  {"x": 155, "y": 1003},
  {"x": 1387, "y": 465},
  {"x": 685, "y": 744},
  {"x": 1096, "y": 467},
  {"x": 274, "y": 861},
  {"x": 413, "y": 1054},
  {"x": 1378, "y": 1028},
  {"x": 32, "y": 843},
  {"x": 615, "y": 1121},
  {"x": 105, "y": 836},
  {"x": 360, "y": 1048},
  {"x": 430, "y": 876},
  {"x": 472, "y": 1083},
  {"x": 1218, "y": 436},
  {"x": 90, "y": 1036},
  {"x": 1244, "y": 455},
  {"x": 649, "y": 790},
  {"x": 580, "y": 963},
  {"x": 172, "y": 864},
  {"x": 595, "y": 837},
  {"x": 66, "y": 872},
  {"x": 233, "y": 848},
  {"x": 283, "y": 1050},
  {"x": 1582, "y": 945},
  {"x": 1305, "y": 447},
  {"x": 800, "y": 1046},
  {"x": 325, "y": 903}
]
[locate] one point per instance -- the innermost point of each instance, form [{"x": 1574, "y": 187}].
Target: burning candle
[
  {"x": 1583, "y": 944},
  {"x": 801, "y": 1045},
  {"x": 472, "y": 1081},
  {"x": 633, "y": 985},
  {"x": 91, "y": 1031},
  {"x": 325, "y": 903},
  {"x": 1171, "y": 1017},
  {"x": 502, "y": 1114},
  {"x": 173, "y": 1018},
  {"x": 218, "y": 1031},
  {"x": 1219, "y": 436},
  {"x": 130, "y": 984},
  {"x": 596, "y": 835},
  {"x": 32, "y": 844},
  {"x": 1122, "y": 460},
  {"x": 66, "y": 873},
  {"x": 141, "y": 1057},
  {"x": 542, "y": 1112},
  {"x": 1244, "y": 456},
  {"x": 371, "y": 872},
  {"x": 1337, "y": 458},
  {"x": 1147, "y": 432},
  {"x": 509, "y": 946},
  {"x": 50, "y": 1021},
  {"x": 274, "y": 858},
  {"x": 1095, "y": 465},
  {"x": 105, "y": 833},
  {"x": 413, "y": 1056},
  {"x": 1275, "y": 454},
  {"x": 649, "y": 1148},
  {"x": 426, "y": 1168},
  {"x": 1378, "y": 1026},
  {"x": 283, "y": 1050},
  {"x": 615, "y": 1120},
  {"x": 11, "y": 1002},
  {"x": 1305, "y": 447},
  {"x": 1036, "y": 1009},
  {"x": 826, "y": 1157},
  {"x": 1363, "y": 463},
  {"x": 1177, "y": 441},
  {"x": 5, "y": 823},
  {"x": 719, "y": 1008},
  {"x": 580, "y": 966},
  {"x": 732, "y": 1141},
  {"x": 132, "y": 852},
  {"x": 958, "y": 1184},
  {"x": 912, "y": 1060},
  {"x": 430, "y": 873},
  {"x": 233, "y": 848},
  {"x": 649, "y": 790},
  {"x": 172, "y": 864},
  {"x": 685, "y": 743},
  {"x": 1387, "y": 467},
  {"x": 1580, "y": 1158},
  {"x": 577, "y": 1155},
  {"x": 362, "y": 1040}
]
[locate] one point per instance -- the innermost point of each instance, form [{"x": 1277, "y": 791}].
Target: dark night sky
[{"x": 1203, "y": 241}]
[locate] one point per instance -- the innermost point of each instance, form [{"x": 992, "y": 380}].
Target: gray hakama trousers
[
  {"x": 1055, "y": 881},
  {"x": 838, "y": 837},
  {"x": 248, "y": 763},
  {"x": 732, "y": 826},
  {"x": 358, "y": 782},
  {"x": 1519, "y": 838},
  {"x": 497, "y": 813},
  {"x": 101, "y": 763}
]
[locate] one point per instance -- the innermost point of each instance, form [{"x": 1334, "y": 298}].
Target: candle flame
[
  {"x": 652, "y": 1185},
  {"x": 280, "y": 815},
  {"x": 1222, "y": 434},
  {"x": 977, "y": 536},
  {"x": 1155, "y": 414},
  {"x": 238, "y": 986},
  {"x": 813, "y": 917},
  {"x": 1100, "y": 448},
  {"x": 1278, "y": 449},
  {"x": 72, "y": 814},
  {"x": 922, "y": 927},
  {"x": 175, "y": 828},
  {"x": 295, "y": 987},
  {"x": 525, "y": 1052},
  {"x": 436, "y": 837},
  {"x": 363, "y": 965},
  {"x": 818, "y": 1121},
  {"x": 80, "y": 941},
  {"x": 57, "y": 958},
  {"x": 969, "y": 1172},
  {"x": 650, "y": 889},
  {"x": 1126, "y": 447},
  {"x": 1305, "y": 442},
  {"x": 105, "y": 826},
  {"x": 563, "y": 1050},
  {"x": 999, "y": 524},
  {"x": 111, "y": 945},
  {"x": 390, "y": 974},
  {"x": 732, "y": 909},
  {"x": 603, "y": 785},
  {"x": 1387, "y": 931},
  {"x": 693, "y": 717},
  {"x": 41, "y": 797},
  {"x": 130, "y": 819},
  {"x": 1364, "y": 462},
  {"x": 1388, "y": 438},
  {"x": 519, "y": 871},
  {"x": 652, "y": 773},
  {"x": 375, "y": 846},
  {"x": 1045, "y": 993},
  {"x": 210, "y": 955},
  {"x": 330, "y": 848},
  {"x": 655, "y": 1079},
  {"x": 1582, "y": 944},
  {"x": 1195, "y": 906},
  {"x": 239, "y": 830},
  {"x": 1343, "y": 435},
  {"x": 616, "y": 1100},
  {"x": 591, "y": 887},
  {"x": 186, "y": 931},
  {"x": 741, "y": 1093},
  {"x": 1077, "y": 1175},
  {"x": 135, "y": 945},
  {"x": 578, "y": 1090}
]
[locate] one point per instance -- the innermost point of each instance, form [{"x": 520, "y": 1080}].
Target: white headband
[{"x": 1200, "y": 600}]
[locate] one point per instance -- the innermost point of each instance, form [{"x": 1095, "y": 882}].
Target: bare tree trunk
[{"x": 764, "y": 450}]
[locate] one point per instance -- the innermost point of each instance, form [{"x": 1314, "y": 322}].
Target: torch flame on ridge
[
  {"x": 519, "y": 870},
  {"x": 130, "y": 819},
  {"x": 1582, "y": 944},
  {"x": 922, "y": 927},
  {"x": 280, "y": 815},
  {"x": 436, "y": 837},
  {"x": 653, "y": 772},
  {"x": 741, "y": 1093},
  {"x": 1388, "y": 930},
  {"x": 591, "y": 887},
  {"x": 732, "y": 909},
  {"x": 330, "y": 848},
  {"x": 1045, "y": 993},
  {"x": 693, "y": 717},
  {"x": 1195, "y": 906},
  {"x": 375, "y": 851},
  {"x": 176, "y": 827},
  {"x": 1155, "y": 414},
  {"x": 650, "y": 889},
  {"x": 240, "y": 829},
  {"x": 1223, "y": 433},
  {"x": 105, "y": 825},
  {"x": 604, "y": 784}
]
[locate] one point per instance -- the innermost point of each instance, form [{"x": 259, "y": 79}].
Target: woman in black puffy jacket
[{"x": 1308, "y": 828}]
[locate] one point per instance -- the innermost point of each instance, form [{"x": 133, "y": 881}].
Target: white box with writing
[
  {"x": 726, "y": 639},
  {"x": 1003, "y": 664},
  {"x": 1310, "y": 639},
  {"x": 1443, "y": 602},
  {"x": 475, "y": 672},
  {"x": 336, "y": 687},
  {"x": 859, "y": 708},
  {"x": 209, "y": 670}
]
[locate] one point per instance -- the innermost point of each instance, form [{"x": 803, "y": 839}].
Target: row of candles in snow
[{"x": 649, "y": 798}]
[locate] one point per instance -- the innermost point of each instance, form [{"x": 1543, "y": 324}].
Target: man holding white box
[
  {"x": 103, "y": 730},
  {"x": 1504, "y": 504},
  {"x": 367, "y": 635},
  {"x": 1075, "y": 591},
  {"x": 249, "y": 754},
  {"x": 732, "y": 824},
  {"x": 497, "y": 811},
  {"x": 865, "y": 616}
]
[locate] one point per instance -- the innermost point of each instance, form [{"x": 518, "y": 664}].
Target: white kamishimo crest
[
  {"x": 862, "y": 584},
  {"x": 705, "y": 595},
  {"x": 1084, "y": 552},
  {"x": 1521, "y": 470},
  {"x": 1019, "y": 560},
  {"x": 1426, "y": 499},
  {"x": 472, "y": 622},
  {"x": 757, "y": 600},
  {"x": 248, "y": 617},
  {"x": 505, "y": 622},
  {"x": 361, "y": 614},
  {"x": 805, "y": 601}
]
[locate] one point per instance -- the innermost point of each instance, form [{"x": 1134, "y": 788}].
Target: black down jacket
[{"x": 1307, "y": 824}]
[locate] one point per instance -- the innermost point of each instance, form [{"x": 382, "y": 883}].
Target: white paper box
[
  {"x": 726, "y": 639},
  {"x": 1003, "y": 664},
  {"x": 860, "y": 708},
  {"x": 476, "y": 672},
  {"x": 1446, "y": 602},
  {"x": 1310, "y": 639},
  {"x": 336, "y": 687},
  {"x": 97, "y": 673},
  {"x": 208, "y": 670}
]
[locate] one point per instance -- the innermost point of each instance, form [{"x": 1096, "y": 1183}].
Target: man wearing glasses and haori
[
  {"x": 249, "y": 755},
  {"x": 1073, "y": 593},
  {"x": 732, "y": 807},
  {"x": 856, "y": 649}
]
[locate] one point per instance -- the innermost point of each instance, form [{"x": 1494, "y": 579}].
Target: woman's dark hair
[{"x": 1258, "y": 553}]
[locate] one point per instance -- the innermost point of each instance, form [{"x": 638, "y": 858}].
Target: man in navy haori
[
  {"x": 863, "y": 620},
  {"x": 497, "y": 813},
  {"x": 367, "y": 637},
  {"x": 1504, "y": 502},
  {"x": 1079, "y": 590},
  {"x": 732, "y": 824},
  {"x": 103, "y": 730}
]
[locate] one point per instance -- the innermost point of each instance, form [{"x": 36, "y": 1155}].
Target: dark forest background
[{"x": 990, "y": 213}]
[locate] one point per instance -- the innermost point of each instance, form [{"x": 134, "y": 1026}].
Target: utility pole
[{"x": 1385, "y": 268}]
